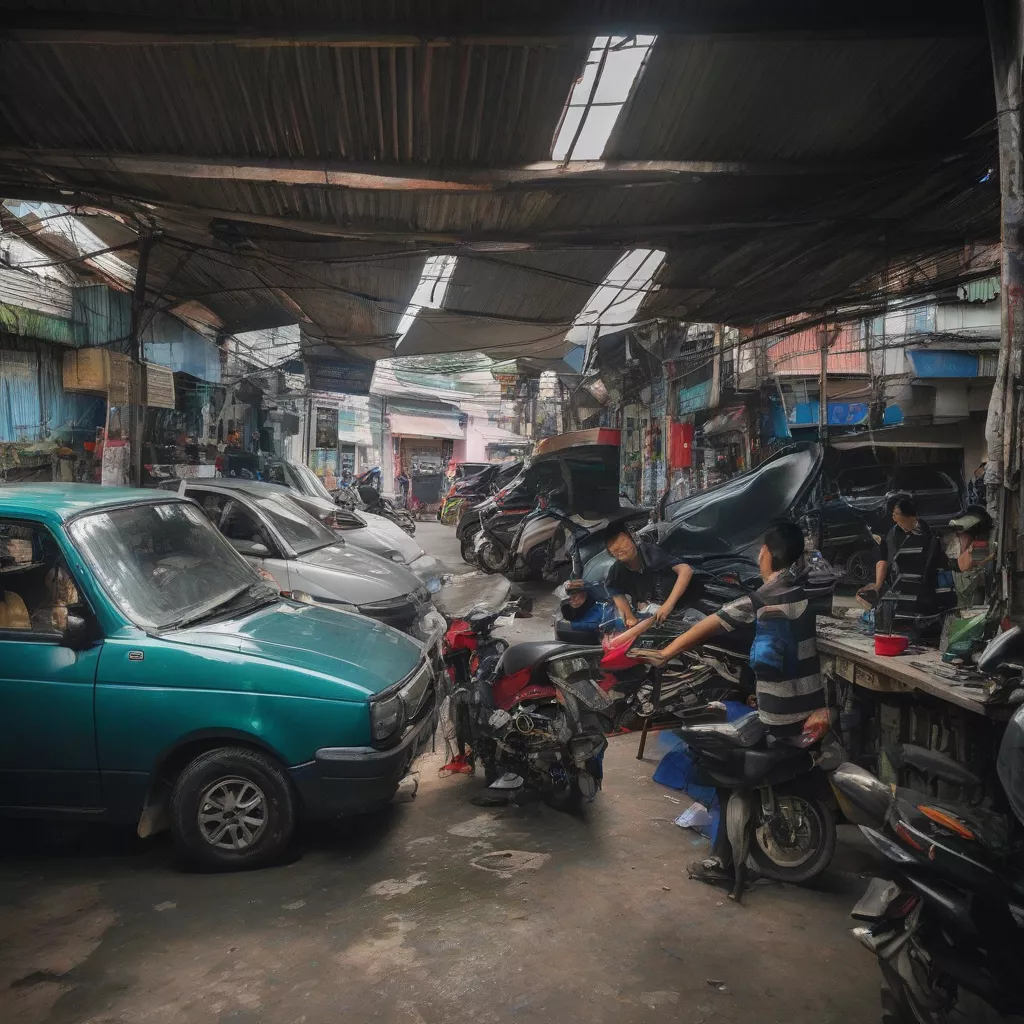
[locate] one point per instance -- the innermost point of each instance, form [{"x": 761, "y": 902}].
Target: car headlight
[
  {"x": 304, "y": 598},
  {"x": 397, "y": 556},
  {"x": 386, "y": 717}
]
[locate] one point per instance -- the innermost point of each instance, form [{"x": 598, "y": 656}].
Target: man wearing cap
[{"x": 968, "y": 553}]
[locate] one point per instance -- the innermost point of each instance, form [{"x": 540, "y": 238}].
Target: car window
[
  {"x": 36, "y": 586},
  {"x": 162, "y": 563},
  {"x": 922, "y": 478},
  {"x": 276, "y": 475},
  {"x": 308, "y": 482},
  {"x": 301, "y": 532},
  {"x": 863, "y": 482}
]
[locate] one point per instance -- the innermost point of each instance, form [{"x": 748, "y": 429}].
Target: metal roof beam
[
  {"x": 414, "y": 178},
  {"x": 226, "y": 224},
  {"x": 535, "y": 22}
]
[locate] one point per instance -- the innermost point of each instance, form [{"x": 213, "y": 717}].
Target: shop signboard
[
  {"x": 326, "y": 427},
  {"x": 342, "y": 375}
]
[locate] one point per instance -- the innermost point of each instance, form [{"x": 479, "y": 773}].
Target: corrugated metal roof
[
  {"x": 880, "y": 93},
  {"x": 457, "y": 104},
  {"x": 822, "y": 99},
  {"x": 543, "y": 287}
]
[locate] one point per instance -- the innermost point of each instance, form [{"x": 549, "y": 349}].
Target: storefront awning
[{"x": 404, "y": 425}]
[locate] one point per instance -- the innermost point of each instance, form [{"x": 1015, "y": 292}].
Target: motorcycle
[
  {"x": 363, "y": 494},
  {"x": 947, "y": 926},
  {"x": 539, "y": 542},
  {"x": 494, "y": 544},
  {"x": 530, "y": 715},
  {"x": 778, "y": 810}
]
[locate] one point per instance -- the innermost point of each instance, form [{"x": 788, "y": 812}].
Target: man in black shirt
[
  {"x": 909, "y": 560},
  {"x": 644, "y": 572}
]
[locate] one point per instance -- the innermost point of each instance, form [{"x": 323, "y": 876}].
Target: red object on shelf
[
  {"x": 681, "y": 446},
  {"x": 889, "y": 645}
]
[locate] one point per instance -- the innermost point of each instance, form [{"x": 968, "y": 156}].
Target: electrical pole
[
  {"x": 1002, "y": 431},
  {"x": 138, "y": 310},
  {"x": 823, "y": 343}
]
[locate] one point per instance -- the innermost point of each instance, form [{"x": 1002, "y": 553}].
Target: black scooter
[{"x": 947, "y": 924}]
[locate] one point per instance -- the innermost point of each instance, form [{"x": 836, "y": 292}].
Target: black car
[{"x": 842, "y": 508}]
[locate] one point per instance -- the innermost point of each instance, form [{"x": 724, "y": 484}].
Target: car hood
[
  {"x": 733, "y": 517},
  {"x": 345, "y": 573},
  {"x": 392, "y": 535},
  {"x": 337, "y": 655}
]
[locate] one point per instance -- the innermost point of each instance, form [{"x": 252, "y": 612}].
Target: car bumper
[{"x": 349, "y": 780}]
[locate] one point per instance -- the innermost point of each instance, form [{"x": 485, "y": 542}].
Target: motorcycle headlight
[
  {"x": 434, "y": 585},
  {"x": 386, "y": 717}
]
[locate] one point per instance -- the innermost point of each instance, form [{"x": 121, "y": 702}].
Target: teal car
[{"x": 148, "y": 674}]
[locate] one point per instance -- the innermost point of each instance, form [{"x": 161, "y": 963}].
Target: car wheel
[
  {"x": 232, "y": 808},
  {"x": 860, "y": 567}
]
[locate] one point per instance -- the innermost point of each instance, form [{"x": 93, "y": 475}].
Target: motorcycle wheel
[
  {"x": 491, "y": 559},
  {"x": 467, "y": 547},
  {"x": 938, "y": 1000},
  {"x": 565, "y": 798},
  {"x": 797, "y": 843}
]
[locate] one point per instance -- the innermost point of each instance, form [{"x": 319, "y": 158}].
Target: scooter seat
[
  {"x": 525, "y": 655},
  {"x": 760, "y": 763},
  {"x": 741, "y": 733}
]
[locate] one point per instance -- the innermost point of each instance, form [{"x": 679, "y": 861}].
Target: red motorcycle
[{"x": 533, "y": 714}]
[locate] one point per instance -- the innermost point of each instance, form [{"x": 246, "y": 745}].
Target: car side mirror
[
  {"x": 250, "y": 548},
  {"x": 77, "y": 634}
]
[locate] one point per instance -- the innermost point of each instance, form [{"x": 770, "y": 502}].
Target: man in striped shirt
[{"x": 784, "y": 654}]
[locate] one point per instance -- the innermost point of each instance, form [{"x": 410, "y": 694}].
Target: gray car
[
  {"x": 309, "y": 491},
  {"x": 310, "y": 562},
  {"x": 371, "y": 533}
]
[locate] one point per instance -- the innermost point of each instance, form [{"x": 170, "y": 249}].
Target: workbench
[
  {"x": 850, "y": 654},
  {"x": 911, "y": 700}
]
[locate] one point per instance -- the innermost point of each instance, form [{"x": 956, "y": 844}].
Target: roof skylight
[
  {"x": 614, "y": 64},
  {"x": 430, "y": 291}
]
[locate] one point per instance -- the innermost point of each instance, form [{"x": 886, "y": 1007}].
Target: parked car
[
  {"x": 937, "y": 491},
  {"x": 375, "y": 534},
  {"x": 730, "y": 519},
  {"x": 149, "y": 675},
  {"x": 312, "y": 563}
]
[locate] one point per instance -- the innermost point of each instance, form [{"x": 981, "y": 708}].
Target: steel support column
[
  {"x": 138, "y": 416},
  {"x": 1002, "y": 429}
]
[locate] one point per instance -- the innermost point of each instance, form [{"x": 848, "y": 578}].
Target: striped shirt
[{"x": 784, "y": 654}]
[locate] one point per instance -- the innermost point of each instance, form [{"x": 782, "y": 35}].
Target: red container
[
  {"x": 615, "y": 658},
  {"x": 889, "y": 645}
]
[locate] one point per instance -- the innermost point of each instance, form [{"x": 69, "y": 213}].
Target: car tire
[{"x": 211, "y": 832}]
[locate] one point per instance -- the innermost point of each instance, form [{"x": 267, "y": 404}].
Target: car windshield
[
  {"x": 163, "y": 564},
  {"x": 309, "y": 482},
  {"x": 300, "y": 531}
]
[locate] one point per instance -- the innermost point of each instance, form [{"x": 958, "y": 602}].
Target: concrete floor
[{"x": 432, "y": 912}]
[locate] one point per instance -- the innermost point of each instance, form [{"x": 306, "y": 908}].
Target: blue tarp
[{"x": 675, "y": 769}]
